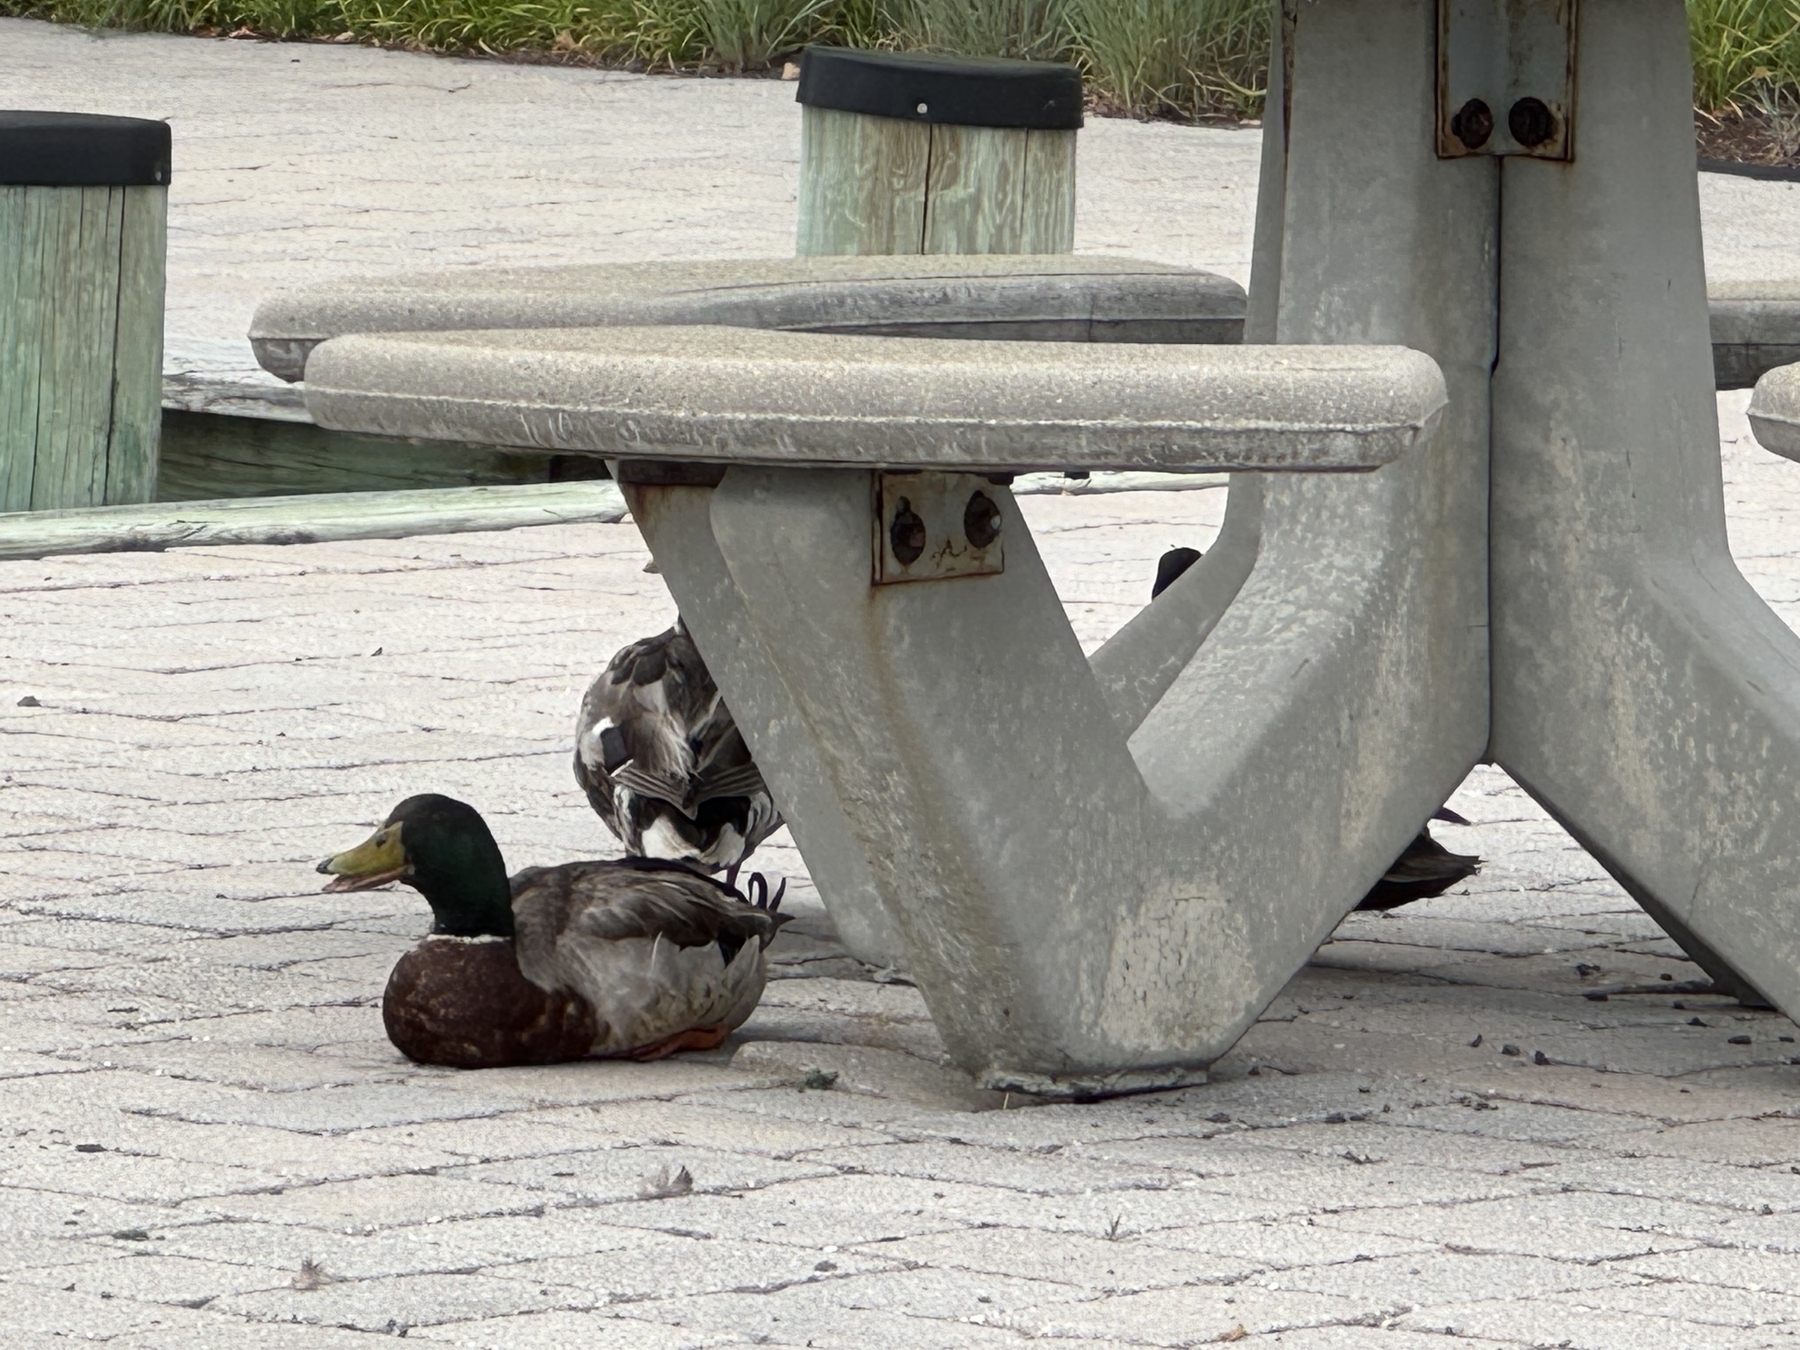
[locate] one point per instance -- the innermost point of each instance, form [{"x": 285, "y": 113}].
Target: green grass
[
  {"x": 1030, "y": 30},
  {"x": 1179, "y": 58},
  {"x": 1746, "y": 52},
  {"x": 1185, "y": 58}
]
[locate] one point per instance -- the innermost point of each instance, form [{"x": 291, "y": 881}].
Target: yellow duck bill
[{"x": 375, "y": 862}]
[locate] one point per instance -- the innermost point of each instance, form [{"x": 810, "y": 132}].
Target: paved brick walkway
[
  {"x": 206, "y": 1141},
  {"x": 204, "y": 1134}
]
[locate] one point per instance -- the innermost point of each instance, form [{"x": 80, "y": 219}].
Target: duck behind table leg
[
  {"x": 633, "y": 958},
  {"x": 662, "y": 762},
  {"x": 1425, "y": 868},
  {"x": 1171, "y": 567}
]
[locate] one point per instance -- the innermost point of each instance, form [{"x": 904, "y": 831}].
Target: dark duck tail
[{"x": 1426, "y": 868}]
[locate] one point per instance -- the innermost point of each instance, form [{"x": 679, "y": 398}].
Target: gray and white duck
[{"x": 664, "y": 765}]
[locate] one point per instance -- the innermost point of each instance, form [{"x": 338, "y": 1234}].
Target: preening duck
[
  {"x": 662, "y": 762},
  {"x": 635, "y": 958},
  {"x": 1425, "y": 867}
]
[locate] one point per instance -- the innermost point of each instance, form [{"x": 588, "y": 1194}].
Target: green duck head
[{"x": 444, "y": 850}]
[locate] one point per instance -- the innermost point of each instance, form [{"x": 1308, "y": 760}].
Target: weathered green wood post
[
  {"x": 927, "y": 154},
  {"x": 83, "y": 229}
]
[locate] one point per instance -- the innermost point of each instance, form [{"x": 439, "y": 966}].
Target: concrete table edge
[
  {"x": 823, "y": 293},
  {"x": 740, "y": 395},
  {"x": 1775, "y": 411}
]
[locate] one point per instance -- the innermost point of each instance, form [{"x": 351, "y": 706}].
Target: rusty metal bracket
[
  {"x": 933, "y": 526},
  {"x": 1506, "y": 78}
]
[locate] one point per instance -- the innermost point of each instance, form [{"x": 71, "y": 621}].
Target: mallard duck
[
  {"x": 1425, "y": 867},
  {"x": 634, "y": 958},
  {"x": 662, "y": 762}
]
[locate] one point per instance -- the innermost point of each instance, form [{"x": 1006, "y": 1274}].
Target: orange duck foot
[{"x": 694, "y": 1038}]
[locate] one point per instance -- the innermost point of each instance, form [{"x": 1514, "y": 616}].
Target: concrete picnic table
[{"x": 1101, "y": 870}]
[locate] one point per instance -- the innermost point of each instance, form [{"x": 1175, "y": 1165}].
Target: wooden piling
[
  {"x": 83, "y": 211},
  {"x": 925, "y": 154}
]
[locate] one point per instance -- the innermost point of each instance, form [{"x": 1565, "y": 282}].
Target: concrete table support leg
[
  {"x": 1089, "y": 907},
  {"x": 1138, "y": 664},
  {"x": 676, "y": 523},
  {"x": 1143, "y": 658},
  {"x": 1642, "y": 691}
]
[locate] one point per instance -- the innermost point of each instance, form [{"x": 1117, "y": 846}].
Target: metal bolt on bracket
[
  {"x": 1531, "y": 122},
  {"x": 907, "y": 534},
  {"x": 1473, "y": 124},
  {"x": 934, "y": 526},
  {"x": 1513, "y": 54},
  {"x": 981, "y": 520}
]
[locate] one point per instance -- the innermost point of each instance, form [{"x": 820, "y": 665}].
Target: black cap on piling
[
  {"x": 57, "y": 149},
  {"x": 1040, "y": 95}
]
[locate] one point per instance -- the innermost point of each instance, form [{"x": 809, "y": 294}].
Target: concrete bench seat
[
  {"x": 1044, "y": 298},
  {"x": 1755, "y": 328},
  {"x": 777, "y": 398},
  {"x": 1775, "y": 411},
  {"x": 1051, "y": 297}
]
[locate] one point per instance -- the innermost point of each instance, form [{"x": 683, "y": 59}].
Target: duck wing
[
  {"x": 647, "y": 897},
  {"x": 687, "y": 796},
  {"x": 580, "y": 905},
  {"x": 726, "y": 776},
  {"x": 653, "y": 946}
]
